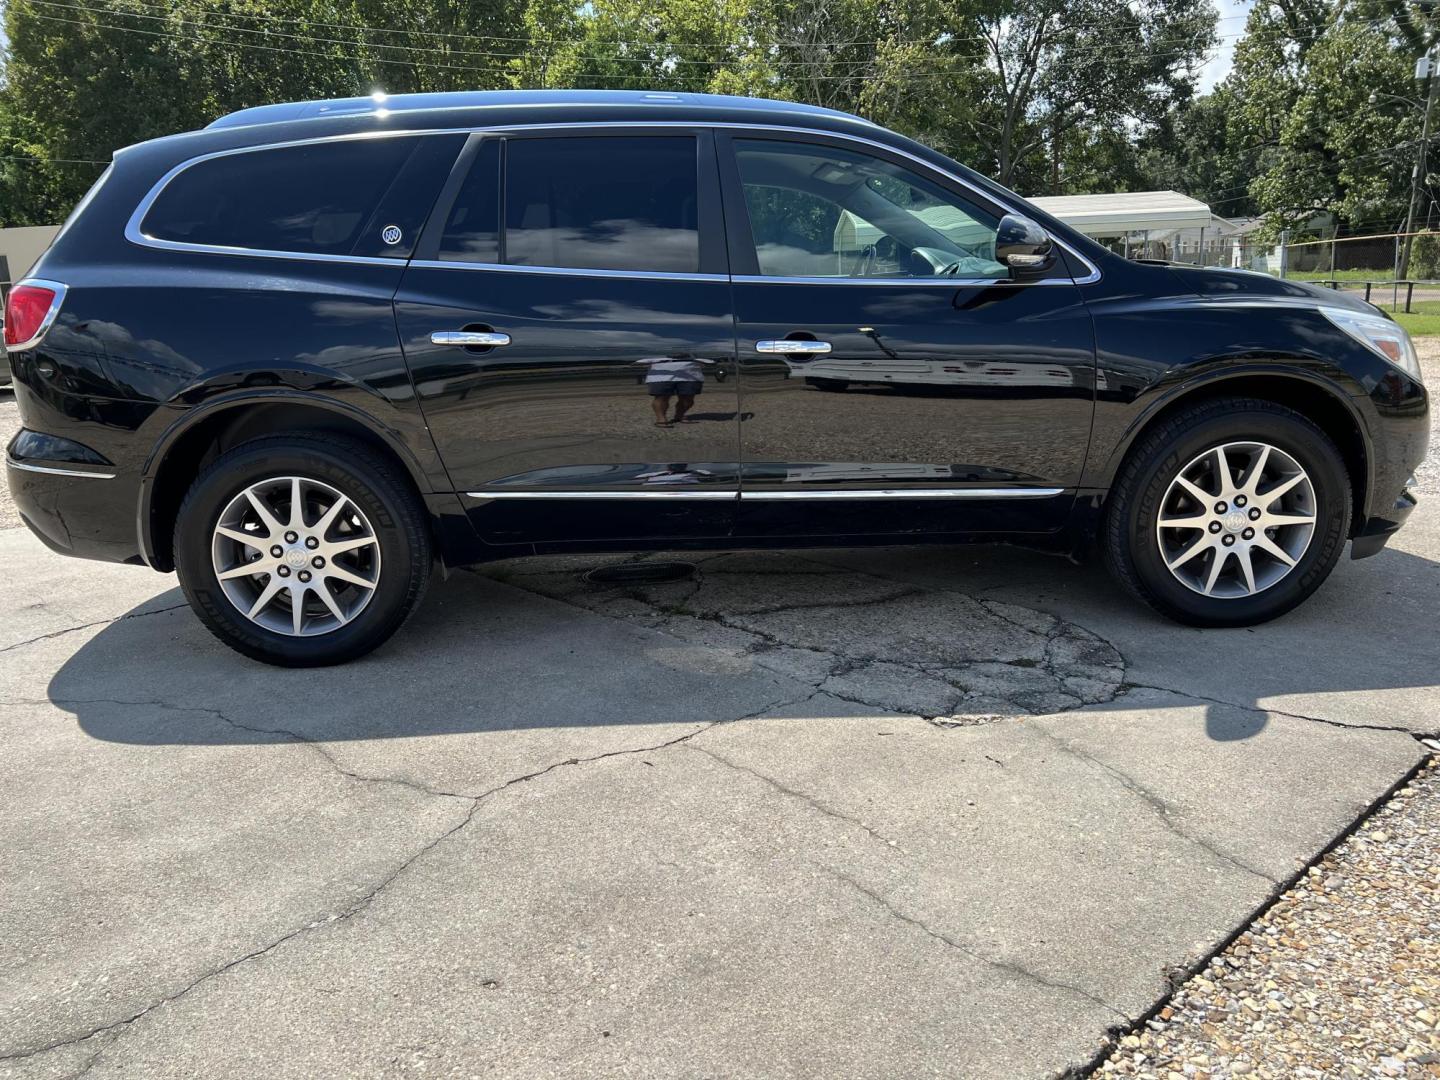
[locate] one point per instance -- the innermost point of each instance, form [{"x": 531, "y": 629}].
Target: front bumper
[{"x": 1375, "y": 532}]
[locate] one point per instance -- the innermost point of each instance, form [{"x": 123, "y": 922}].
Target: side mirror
[{"x": 1024, "y": 247}]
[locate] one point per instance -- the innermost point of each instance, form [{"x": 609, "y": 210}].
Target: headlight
[{"x": 1384, "y": 336}]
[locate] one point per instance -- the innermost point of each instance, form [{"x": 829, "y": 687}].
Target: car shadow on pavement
[{"x": 962, "y": 636}]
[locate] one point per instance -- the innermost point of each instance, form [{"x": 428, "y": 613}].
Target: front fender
[
  {"x": 1209, "y": 380},
  {"x": 1154, "y": 352}
]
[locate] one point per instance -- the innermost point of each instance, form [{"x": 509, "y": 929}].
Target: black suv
[{"x": 307, "y": 352}]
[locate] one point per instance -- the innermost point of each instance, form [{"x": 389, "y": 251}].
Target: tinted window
[
  {"x": 317, "y": 198},
  {"x": 472, "y": 231},
  {"x": 821, "y": 212},
  {"x": 602, "y": 203}
]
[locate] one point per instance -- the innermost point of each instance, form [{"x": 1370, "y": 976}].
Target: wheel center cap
[
  {"x": 296, "y": 558},
  {"x": 1235, "y": 521}
]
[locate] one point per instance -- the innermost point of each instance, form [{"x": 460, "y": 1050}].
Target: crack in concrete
[
  {"x": 795, "y": 793},
  {"x": 89, "y": 625},
  {"x": 1074, "y": 666},
  {"x": 1159, "y": 806},
  {"x": 1266, "y": 710},
  {"x": 1008, "y": 967},
  {"x": 369, "y": 896},
  {"x": 1177, "y": 978}
]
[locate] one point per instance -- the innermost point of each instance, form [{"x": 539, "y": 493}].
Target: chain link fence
[{"x": 1382, "y": 267}]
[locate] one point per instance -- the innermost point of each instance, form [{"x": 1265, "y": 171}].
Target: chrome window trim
[
  {"x": 771, "y": 495},
  {"x": 947, "y": 282},
  {"x": 565, "y": 271},
  {"x": 1093, "y": 272},
  {"x": 52, "y": 313},
  {"x": 134, "y": 234},
  {"x": 51, "y": 470}
]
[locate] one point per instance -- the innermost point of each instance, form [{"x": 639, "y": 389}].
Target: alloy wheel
[
  {"x": 296, "y": 556},
  {"x": 1236, "y": 520}
]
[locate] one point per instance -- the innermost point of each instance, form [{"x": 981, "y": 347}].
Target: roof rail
[{"x": 381, "y": 104}]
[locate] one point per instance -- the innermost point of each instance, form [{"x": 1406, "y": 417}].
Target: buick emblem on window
[{"x": 391, "y": 234}]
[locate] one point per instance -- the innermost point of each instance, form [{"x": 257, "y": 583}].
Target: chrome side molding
[
  {"x": 769, "y": 495},
  {"x": 50, "y": 470}
]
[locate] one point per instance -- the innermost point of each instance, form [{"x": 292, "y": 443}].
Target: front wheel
[
  {"x": 1230, "y": 513},
  {"x": 302, "y": 549}
]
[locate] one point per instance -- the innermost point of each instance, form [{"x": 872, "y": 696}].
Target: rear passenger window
[
  {"x": 603, "y": 203},
  {"x": 314, "y": 199}
]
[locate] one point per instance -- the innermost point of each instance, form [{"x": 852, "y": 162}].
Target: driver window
[{"x": 816, "y": 211}]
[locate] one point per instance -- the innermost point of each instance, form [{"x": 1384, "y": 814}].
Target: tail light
[{"x": 29, "y": 310}]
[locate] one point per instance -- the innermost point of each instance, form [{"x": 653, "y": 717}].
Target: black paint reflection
[{"x": 930, "y": 386}]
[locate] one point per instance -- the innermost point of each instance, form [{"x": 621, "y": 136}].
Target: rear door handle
[
  {"x": 469, "y": 338},
  {"x": 812, "y": 348}
]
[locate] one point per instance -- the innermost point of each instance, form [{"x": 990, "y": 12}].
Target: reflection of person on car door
[{"x": 678, "y": 376}]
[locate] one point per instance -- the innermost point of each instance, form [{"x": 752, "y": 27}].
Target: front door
[
  {"x": 887, "y": 357},
  {"x": 568, "y": 326}
]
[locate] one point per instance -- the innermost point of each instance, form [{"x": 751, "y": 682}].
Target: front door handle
[
  {"x": 790, "y": 346},
  {"x": 469, "y": 339}
]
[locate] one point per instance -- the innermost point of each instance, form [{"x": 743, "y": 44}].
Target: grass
[
  {"x": 1388, "y": 274},
  {"x": 1422, "y": 321},
  {"x": 1424, "y": 324}
]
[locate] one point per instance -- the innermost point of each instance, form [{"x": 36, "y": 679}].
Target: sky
[{"x": 1231, "y": 25}]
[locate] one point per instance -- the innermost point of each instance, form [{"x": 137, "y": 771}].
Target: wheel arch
[
  {"x": 1310, "y": 395},
  {"x": 202, "y": 434}
]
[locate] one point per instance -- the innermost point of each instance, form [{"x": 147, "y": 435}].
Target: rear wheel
[
  {"x": 302, "y": 549},
  {"x": 1229, "y": 513}
]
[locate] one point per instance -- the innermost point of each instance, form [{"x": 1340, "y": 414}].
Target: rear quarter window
[{"x": 319, "y": 198}]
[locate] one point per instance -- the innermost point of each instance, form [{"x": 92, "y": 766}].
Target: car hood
[{"x": 1214, "y": 281}]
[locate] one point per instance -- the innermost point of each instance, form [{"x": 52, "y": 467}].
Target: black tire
[
  {"x": 374, "y": 483},
  {"x": 1129, "y": 528}
]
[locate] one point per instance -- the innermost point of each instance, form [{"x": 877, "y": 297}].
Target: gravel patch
[
  {"x": 1339, "y": 979},
  {"x": 1428, "y": 475}
]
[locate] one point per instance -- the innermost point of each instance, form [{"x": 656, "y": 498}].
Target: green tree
[
  {"x": 1058, "y": 78},
  {"x": 81, "y": 82}
]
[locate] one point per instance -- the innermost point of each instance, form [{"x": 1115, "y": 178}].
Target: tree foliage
[
  {"x": 1049, "y": 96},
  {"x": 1293, "y": 133}
]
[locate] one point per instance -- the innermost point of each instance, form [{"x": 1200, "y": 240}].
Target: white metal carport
[{"x": 1123, "y": 213}]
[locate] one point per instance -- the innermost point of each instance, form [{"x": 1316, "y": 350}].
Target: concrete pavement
[{"x": 860, "y": 813}]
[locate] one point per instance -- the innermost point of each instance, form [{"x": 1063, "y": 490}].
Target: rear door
[
  {"x": 921, "y": 376},
  {"x": 567, "y": 322}
]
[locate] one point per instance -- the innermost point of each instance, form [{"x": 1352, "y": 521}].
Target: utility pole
[{"x": 1424, "y": 69}]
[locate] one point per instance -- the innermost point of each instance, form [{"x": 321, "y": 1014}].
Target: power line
[
  {"x": 670, "y": 63},
  {"x": 938, "y": 38},
  {"x": 1194, "y": 39}
]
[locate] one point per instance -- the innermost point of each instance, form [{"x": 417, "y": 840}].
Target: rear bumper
[{"x": 76, "y": 510}]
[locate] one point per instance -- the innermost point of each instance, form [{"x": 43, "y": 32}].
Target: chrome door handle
[
  {"x": 469, "y": 338},
  {"x": 812, "y": 348}
]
